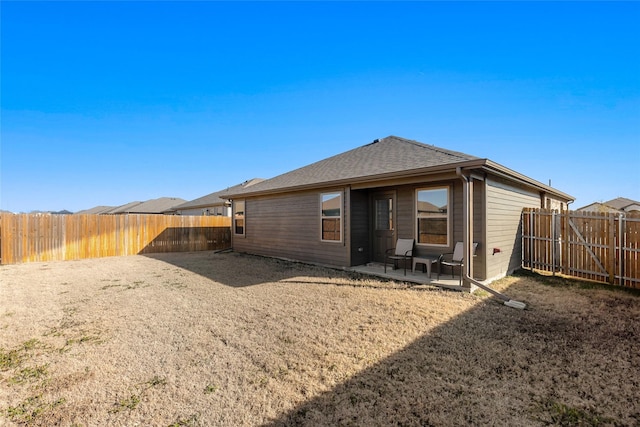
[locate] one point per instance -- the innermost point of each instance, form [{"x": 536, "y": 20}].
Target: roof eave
[
  {"x": 491, "y": 166},
  {"x": 451, "y": 167}
]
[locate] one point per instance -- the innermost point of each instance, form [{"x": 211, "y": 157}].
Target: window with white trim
[
  {"x": 331, "y": 217},
  {"x": 433, "y": 215},
  {"x": 238, "y": 217}
]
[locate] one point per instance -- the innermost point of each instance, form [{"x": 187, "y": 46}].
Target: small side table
[{"x": 427, "y": 261}]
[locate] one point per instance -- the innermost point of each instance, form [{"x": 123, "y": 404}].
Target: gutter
[{"x": 467, "y": 236}]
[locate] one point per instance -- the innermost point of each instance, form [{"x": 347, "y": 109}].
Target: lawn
[{"x": 227, "y": 339}]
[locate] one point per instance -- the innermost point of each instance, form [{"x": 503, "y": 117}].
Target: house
[
  {"x": 617, "y": 205},
  {"x": 153, "y": 206},
  {"x": 212, "y": 204},
  {"x": 123, "y": 209},
  {"x": 97, "y": 210},
  {"x": 346, "y": 210}
]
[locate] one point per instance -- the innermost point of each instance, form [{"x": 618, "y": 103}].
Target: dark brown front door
[{"x": 384, "y": 236}]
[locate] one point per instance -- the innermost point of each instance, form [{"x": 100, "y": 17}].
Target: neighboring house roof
[
  {"x": 123, "y": 208},
  {"x": 621, "y": 203},
  {"x": 426, "y": 207},
  {"x": 596, "y": 207},
  {"x": 217, "y": 198},
  {"x": 95, "y": 210},
  {"x": 390, "y": 157},
  {"x": 159, "y": 205},
  {"x": 618, "y": 204}
]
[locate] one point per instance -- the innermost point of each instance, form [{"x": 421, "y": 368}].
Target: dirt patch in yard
[{"x": 229, "y": 339}]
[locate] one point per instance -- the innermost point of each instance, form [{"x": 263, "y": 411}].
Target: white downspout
[{"x": 467, "y": 242}]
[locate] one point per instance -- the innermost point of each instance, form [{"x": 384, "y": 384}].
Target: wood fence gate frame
[{"x": 596, "y": 246}]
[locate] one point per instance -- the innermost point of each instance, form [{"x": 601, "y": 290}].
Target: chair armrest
[
  {"x": 388, "y": 251},
  {"x": 441, "y": 257}
]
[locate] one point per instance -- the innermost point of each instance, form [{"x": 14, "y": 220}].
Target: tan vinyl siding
[
  {"x": 504, "y": 208},
  {"x": 288, "y": 226}
]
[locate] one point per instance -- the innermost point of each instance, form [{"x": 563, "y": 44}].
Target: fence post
[
  {"x": 523, "y": 234},
  {"x": 621, "y": 246},
  {"x": 565, "y": 243},
  {"x": 553, "y": 243},
  {"x": 611, "y": 268},
  {"x": 531, "y": 234}
]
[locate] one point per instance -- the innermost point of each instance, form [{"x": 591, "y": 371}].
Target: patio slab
[{"x": 420, "y": 278}]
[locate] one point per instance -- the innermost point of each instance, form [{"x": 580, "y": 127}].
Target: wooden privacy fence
[
  {"x": 604, "y": 247},
  {"x": 29, "y": 237}
]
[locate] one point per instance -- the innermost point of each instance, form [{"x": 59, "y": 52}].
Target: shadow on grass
[
  {"x": 570, "y": 359},
  {"x": 566, "y": 281},
  {"x": 567, "y": 360},
  {"x": 248, "y": 270}
]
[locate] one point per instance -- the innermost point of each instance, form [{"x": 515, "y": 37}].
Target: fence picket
[
  {"x": 31, "y": 237},
  {"x": 601, "y": 247}
]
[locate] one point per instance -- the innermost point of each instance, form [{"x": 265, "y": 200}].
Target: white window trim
[
  {"x": 449, "y": 215},
  {"x": 340, "y": 193}
]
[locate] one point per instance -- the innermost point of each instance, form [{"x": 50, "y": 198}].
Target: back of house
[{"x": 347, "y": 210}]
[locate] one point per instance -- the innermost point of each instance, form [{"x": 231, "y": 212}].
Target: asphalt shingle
[{"x": 383, "y": 156}]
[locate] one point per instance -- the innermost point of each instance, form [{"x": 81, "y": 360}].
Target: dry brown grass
[{"x": 228, "y": 339}]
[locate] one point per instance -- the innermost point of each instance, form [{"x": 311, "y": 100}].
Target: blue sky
[{"x": 103, "y": 103}]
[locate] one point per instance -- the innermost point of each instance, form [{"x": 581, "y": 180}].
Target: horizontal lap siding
[
  {"x": 504, "y": 210},
  {"x": 458, "y": 214},
  {"x": 479, "y": 231},
  {"x": 405, "y": 206},
  {"x": 288, "y": 226}
]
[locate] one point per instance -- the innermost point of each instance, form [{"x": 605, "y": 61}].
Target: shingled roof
[
  {"x": 95, "y": 210},
  {"x": 382, "y": 156},
  {"x": 621, "y": 203},
  {"x": 219, "y": 197}
]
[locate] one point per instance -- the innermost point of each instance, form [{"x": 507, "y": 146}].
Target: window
[
  {"x": 331, "y": 214},
  {"x": 238, "y": 217},
  {"x": 384, "y": 214},
  {"x": 432, "y": 214}
]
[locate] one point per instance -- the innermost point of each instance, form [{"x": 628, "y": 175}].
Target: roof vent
[{"x": 371, "y": 143}]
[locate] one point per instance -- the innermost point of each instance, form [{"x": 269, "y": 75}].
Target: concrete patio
[{"x": 419, "y": 278}]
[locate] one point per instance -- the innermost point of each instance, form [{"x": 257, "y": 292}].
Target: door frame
[{"x": 377, "y": 195}]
